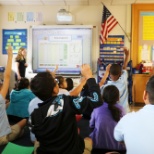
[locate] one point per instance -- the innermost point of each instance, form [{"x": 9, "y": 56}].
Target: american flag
[{"x": 108, "y": 23}]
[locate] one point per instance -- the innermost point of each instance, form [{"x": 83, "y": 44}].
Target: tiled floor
[{"x": 136, "y": 106}]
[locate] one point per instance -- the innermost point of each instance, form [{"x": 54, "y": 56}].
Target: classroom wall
[{"x": 86, "y": 15}]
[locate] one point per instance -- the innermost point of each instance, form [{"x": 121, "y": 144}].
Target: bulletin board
[
  {"x": 142, "y": 33},
  {"x": 15, "y": 37}
]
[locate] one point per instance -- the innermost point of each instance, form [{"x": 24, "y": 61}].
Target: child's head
[
  {"x": 23, "y": 83},
  {"x": 150, "y": 90},
  {"x": 62, "y": 82},
  {"x": 43, "y": 85},
  {"x": 70, "y": 84},
  {"x": 115, "y": 72},
  {"x": 110, "y": 94}
]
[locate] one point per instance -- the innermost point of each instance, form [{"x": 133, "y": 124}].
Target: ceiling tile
[
  {"x": 95, "y": 2},
  {"x": 77, "y": 2},
  {"x": 72, "y": 2},
  {"x": 9, "y": 2},
  {"x": 53, "y": 2},
  {"x": 144, "y": 1},
  {"x": 122, "y": 2}
]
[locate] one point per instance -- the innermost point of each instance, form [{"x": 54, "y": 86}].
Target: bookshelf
[{"x": 111, "y": 51}]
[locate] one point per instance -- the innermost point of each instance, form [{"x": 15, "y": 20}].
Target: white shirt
[
  {"x": 63, "y": 91},
  {"x": 122, "y": 85},
  {"x": 33, "y": 104},
  {"x": 136, "y": 129}
]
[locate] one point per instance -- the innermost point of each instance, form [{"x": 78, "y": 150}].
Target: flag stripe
[{"x": 108, "y": 23}]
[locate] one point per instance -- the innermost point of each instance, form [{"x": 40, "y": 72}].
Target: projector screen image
[{"x": 68, "y": 48}]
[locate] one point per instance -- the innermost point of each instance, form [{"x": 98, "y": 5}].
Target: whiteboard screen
[{"x": 67, "y": 47}]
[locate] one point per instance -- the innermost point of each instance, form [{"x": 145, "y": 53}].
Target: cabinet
[
  {"x": 141, "y": 34},
  {"x": 139, "y": 84},
  {"x": 111, "y": 51}
]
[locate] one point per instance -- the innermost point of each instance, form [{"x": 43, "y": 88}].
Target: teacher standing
[{"x": 21, "y": 63}]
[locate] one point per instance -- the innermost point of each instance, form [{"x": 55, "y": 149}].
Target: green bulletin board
[{"x": 16, "y": 38}]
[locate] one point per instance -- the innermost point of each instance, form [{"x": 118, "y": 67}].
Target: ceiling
[{"x": 72, "y": 2}]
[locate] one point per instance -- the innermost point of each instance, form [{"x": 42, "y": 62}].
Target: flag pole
[
  {"x": 120, "y": 27},
  {"x": 124, "y": 32}
]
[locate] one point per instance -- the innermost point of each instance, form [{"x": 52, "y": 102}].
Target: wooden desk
[{"x": 139, "y": 84}]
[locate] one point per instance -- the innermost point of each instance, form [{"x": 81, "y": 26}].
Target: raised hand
[{"x": 86, "y": 71}]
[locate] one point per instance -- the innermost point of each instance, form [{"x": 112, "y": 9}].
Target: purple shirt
[{"x": 103, "y": 125}]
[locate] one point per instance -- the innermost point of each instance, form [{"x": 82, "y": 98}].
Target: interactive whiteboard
[{"x": 66, "y": 46}]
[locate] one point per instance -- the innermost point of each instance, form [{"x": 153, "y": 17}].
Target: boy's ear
[
  {"x": 55, "y": 90},
  {"x": 145, "y": 96}
]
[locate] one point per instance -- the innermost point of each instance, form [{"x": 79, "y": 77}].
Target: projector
[{"x": 64, "y": 17}]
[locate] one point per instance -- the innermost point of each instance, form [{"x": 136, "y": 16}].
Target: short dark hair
[
  {"x": 150, "y": 89},
  {"x": 111, "y": 96},
  {"x": 70, "y": 84},
  {"x": 42, "y": 85},
  {"x": 23, "y": 83},
  {"x": 115, "y": 69}
]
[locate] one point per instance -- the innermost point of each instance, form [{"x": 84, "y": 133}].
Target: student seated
[
  {"x": 70, "y": 84},
  {"x": 35, "y": 101},
  {"x": 136, "y": 128},
  {"x": 63, "y": 86},
  {"x": 19, "y": 101},
  {"x": 8, "y": 133},
  {"x": 119, "y": 79},
  {"x": 104, "y": 119},
  {"x": 54, "y": 123}
]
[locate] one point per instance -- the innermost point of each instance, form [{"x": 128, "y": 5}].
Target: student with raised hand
[
  {"x": 53, "y": 73},
  {"x": 70, "y": 84},
  {"x": 118, "y": 77},
  {"x": 63, "y": 85},
  {"x": 54, "y": 123},
  {"x": 8, "y": 133},
  {"x": 136, "y": 128},
  {"x": 104, "y": 119},
  {"x": 35, "y": 101}
]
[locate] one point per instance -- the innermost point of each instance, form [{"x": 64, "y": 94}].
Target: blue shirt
[
  {"x": 103, "y": 125},
  {"x": 19, "y": 101}
]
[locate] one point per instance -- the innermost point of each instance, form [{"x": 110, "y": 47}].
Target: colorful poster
[
  {"x": 38, "y": 17},
  {"x": 30, "y": 16},
  {"x": 15, "y": 37},
  {"x": 148, "y": 24},
  {"x": 145, "y": 53},
  {"x": 11, "y": 16},
  {"x": 20, "y": 16}
]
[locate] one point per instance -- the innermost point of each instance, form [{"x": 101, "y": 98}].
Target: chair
[{"x": 17, "y": 149}]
